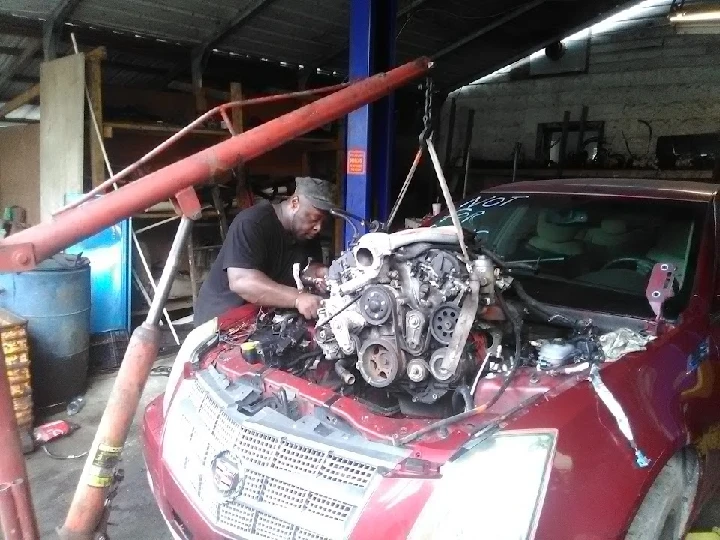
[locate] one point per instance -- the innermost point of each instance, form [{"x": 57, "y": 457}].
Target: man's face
[{"x": 307, "y": 220}]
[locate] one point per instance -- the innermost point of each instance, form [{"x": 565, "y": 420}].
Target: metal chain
[
  {"x": 424, "y": 135},
  {"x": 427, "y": 116}
]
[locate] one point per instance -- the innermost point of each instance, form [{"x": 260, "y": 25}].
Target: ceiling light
[{"x": 695, "y": 16}]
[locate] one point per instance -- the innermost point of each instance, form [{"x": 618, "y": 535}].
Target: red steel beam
[
  {"x": 23, "y": 250},
  {"x": 17, "y": 520}
]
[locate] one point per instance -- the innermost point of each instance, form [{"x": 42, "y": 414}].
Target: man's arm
[{"x": 257, "y": 288}]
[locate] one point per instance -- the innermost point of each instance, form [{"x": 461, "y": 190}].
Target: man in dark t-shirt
[{"x": 262, "y": 244}]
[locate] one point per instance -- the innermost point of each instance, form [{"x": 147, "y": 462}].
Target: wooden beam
[
  {"x": 98, "y": 54},
  {"x": 18, "y": 101},
  {"x": 19, "y": 63},
  {"x": 93, "y": 79},
  {"x": 236, "y": 94}
]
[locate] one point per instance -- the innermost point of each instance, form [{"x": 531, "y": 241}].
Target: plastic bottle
[{"x": 75, "y": 405}]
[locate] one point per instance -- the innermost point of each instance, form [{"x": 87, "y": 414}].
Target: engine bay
[{"x": 410, "y": 326}]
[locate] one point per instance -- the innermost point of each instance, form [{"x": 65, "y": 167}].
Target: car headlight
[
  {"x": 494, "y": 490},
  {"x": 195, "y": 341}
]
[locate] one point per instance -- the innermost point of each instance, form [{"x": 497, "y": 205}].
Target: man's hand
[
  {"x": 315, "y": 275},
  {"x": 308, "y": 304}
]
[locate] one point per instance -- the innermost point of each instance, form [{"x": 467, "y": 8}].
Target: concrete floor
[
  {"x": 53, "y": 481},
  {"x": 135, "y": 515}
]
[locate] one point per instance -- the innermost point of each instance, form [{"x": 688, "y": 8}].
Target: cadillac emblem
[{"x": 228, "y": 474}]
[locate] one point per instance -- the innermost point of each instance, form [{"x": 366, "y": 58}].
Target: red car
[{"x": 547, "y": 370}]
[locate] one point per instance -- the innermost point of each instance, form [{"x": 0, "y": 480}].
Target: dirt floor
[{"x": 135, "y": 515}]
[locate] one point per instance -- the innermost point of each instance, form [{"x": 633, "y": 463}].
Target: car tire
[{"x": 665, "y": 511}]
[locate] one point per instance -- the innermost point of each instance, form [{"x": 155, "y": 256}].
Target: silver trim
[{"x": 310, "y": 463}]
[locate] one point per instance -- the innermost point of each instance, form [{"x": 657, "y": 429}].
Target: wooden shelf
[
  {"x": 108, "y": 128},
  {"x": 166, "y": 214}
]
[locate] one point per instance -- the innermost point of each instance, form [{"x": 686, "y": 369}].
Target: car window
[{"x": 593, "y": 251}]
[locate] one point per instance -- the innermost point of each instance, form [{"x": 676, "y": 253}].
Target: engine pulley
[
  {"x": 443, "y": 321},
  {"x": 376, "y": 305},
  {"x": 379, "y": 362}
]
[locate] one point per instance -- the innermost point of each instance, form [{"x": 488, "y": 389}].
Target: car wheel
[{"x": 665, "y": 512}]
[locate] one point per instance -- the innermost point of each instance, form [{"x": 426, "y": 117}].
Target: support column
[{"x": 370, "y": 130}]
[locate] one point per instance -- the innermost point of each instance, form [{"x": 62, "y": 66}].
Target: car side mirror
[{"x": 660, "y": 289}]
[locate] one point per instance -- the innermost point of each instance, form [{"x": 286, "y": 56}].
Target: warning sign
[{"x": 356, "y": 162}]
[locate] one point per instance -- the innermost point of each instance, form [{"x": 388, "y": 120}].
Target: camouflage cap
[{"x": 321, "y": 193}]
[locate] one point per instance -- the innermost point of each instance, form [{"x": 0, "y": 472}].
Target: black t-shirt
[{"x": 255, "y": 240}]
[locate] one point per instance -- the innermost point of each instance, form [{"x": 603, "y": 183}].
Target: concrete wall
[
  {"x": 645, "y": 69},
  {"x": 20, "y": 169}
]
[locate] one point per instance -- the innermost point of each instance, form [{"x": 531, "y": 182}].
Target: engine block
[{"x": 395, "y": 300}]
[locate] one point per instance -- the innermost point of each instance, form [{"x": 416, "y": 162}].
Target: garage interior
[{"x": 521, "y": 91}]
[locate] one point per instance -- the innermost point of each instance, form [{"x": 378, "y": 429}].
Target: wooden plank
[
  {"x": 94, "y": 85},
  {"x": 243, "y": 195},
  {"x": 62, "y": 107},
  {"x": 18, "y": 101},
  {"x": 236, "y": 94},
  {"x": 339, "y": 181},
  {"x": 159, "y": 128}
]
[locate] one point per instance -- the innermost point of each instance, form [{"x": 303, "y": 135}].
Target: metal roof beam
[
  {"x": 487, "y": 28},
  {"x": 53, "y": 25},
  {"x": 233, "y": 24},
  {"x": 412, "y": 6}
]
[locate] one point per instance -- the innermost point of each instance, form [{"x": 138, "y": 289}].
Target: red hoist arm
[{"x": 25, "y": 249}]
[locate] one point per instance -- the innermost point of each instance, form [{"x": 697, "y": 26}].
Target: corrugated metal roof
[{"x": 289, "y": 33}]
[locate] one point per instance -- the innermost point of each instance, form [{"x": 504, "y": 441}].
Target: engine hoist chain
[{"x": 425, "y": 134}]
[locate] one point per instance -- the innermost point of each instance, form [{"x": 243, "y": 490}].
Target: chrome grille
[{"x": 291, "y": 488}]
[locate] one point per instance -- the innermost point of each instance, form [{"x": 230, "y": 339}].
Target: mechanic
[{"x": 255, "y": 263}]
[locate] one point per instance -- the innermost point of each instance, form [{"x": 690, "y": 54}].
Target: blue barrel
[{"x": 54, "y": 298}]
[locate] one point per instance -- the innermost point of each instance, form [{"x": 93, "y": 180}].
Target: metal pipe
[
  {"x": 168, "y": 274},
  {"x": 220, "y": 109},
  {"x": 88, "y": 504},
  {"x": 21, "y": 251},
  {"x": 17, "y": 517}
]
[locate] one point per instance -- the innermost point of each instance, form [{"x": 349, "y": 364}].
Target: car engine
[{"x": 395, "y": 303}]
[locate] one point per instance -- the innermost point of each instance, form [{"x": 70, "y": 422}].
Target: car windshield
[{"x": 590, "y": 252}]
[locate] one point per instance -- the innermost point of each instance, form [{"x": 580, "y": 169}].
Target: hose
[
  {"x": 549, "y": 314},
  {"x": 343, "y": 373},
  {"x": 516, "y": 322},
  {"x": 418, "y": 249},
  {"x": 497, "y": 261},
  {"x": 464, "y": 392}
]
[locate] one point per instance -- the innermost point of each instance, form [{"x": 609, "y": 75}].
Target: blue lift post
[{"x": 370, "y": 129}]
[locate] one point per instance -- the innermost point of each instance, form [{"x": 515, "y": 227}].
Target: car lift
[{"x": 87, "y": 516}]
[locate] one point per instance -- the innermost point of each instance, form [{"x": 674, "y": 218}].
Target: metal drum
[{"x": 54, "y": 299}]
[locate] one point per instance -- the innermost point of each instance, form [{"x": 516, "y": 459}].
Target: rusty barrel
[{"x": 54, "y": 299}]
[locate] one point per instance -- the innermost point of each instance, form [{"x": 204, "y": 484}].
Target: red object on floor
[{"x": 53, "y": 430}]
